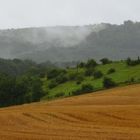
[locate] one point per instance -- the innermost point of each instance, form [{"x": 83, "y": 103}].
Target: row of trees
[
  {"x": 92, "y": 63},
  {"x": 131, "y": 62},
  {"x": 87, "y": 88}
]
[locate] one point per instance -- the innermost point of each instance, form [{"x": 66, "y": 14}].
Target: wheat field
[{"x": 106, "y": 115}]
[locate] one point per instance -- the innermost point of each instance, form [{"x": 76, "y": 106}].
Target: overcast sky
[{"x": 35, "y": 13}]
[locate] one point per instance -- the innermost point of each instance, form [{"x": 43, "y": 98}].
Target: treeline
[
  {"x": 15, "y": 91},
  {"x": 131, "y": 62},
  {"x": 17, "y": 67},
  {"x": 20, "y": 81}
]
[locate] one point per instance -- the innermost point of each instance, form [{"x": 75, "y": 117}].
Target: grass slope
[
  {"x": 123, "y": 73},
  {"x": 107, "y": 115}
]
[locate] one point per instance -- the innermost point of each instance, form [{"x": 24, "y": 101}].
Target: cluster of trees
[
  {"x": 87, "y": 88},
  {"x": 20, "y": 81},
  {"x": 131, "y": 62},
  {"x": 19, "y": 90}
]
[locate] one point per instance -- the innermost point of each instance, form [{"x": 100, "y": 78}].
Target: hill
[
  {"x": 123, "y": 75},
  {"x": 106, "y": 115},
  {"x": 23, "y": 81},
  {"x": 17, "y": 43},
  {"x": 67, "y": 43}
]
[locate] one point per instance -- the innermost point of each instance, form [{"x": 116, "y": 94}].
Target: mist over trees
[
  {"x": 20, "y": 42},
  {"x": 67, "y": 44}
]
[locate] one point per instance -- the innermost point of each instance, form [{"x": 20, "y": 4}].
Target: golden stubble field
[{"x": 107, "y": 115}]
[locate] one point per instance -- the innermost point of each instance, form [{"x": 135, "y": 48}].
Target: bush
[
  {"x": 132, "y": 80},
  {"x": 62, "y": 78},
  {"x": 77, "y": 92},
  {"x": 97, "y": 74},
  {"x": 105, "y": 61},
  {"x": 52, "y": 84},
  {"x": 110, "y": 71},
  {"x": 72, "y": 76},
  {"x": 108, "y": 83},
  {"x": 89, "y": 72},
  {"x": 86, "y": 88},
  {"x": 79, "y": 79},
  {"x": 60, "y": 94},
  {"x": 91, "y": 63},
  {"x": 54, "y": 73},
  {"x": 82, "y": 65}
]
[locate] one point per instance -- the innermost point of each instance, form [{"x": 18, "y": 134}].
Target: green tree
[
  {"x": 97, "y": 74},
  {"x": 105, "y": 61},
  {"x": 108, "y": 83},
  {"x": 91, "y": 63},
  {"x": 111, "y": 70}
]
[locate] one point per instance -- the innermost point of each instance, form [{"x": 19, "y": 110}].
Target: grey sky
[{"x": 29, "y": 13}]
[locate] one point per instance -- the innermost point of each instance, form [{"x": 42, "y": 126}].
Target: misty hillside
[
  {"x": 21, "y": 42},
  {"x": 63, "y": 43}
]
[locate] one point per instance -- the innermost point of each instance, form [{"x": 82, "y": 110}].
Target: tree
[
  {"x": 108, "y": 83},
  {"x": 7, "y": 90},
  {"x": 61, "y": 78},
  {"x": 54, "y": 73},
  {"x": 52, "y": 84},
  {"x": 128, "y": 61},
  {"x": 89, "y": 71},
  {"x": 91, "y": 63},
  {"x": 86, "y": 88},
  {"x": 82, "y": 65},
  {"x": 79, "y": 79},
  {"x": 97, "y": 74},
  {"x": 105, "y": 61},
  {"x": 131, "y": 62},
  {"x": 110, "y": 71}
]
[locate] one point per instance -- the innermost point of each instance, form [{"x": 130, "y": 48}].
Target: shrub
[
  {"x": 82, "y": 65},
  {"x": 89, "y": 72},
  {"x": 52, "y": 84},
  {"x": 105, "y": 61},
  {"x": 97, "y": 74},
  {"x": 110, "y": 71},
  {"x": 108, "y": 83},
  {"x": 76, "y": 76},
  {"x": 54, "y": 73},
  {"x": 78, "y": 82},
  {"x": 77, "y": 92},
  {"x": 62, "y": 78},
  {"x": 72, "y": 76},
  {"x": 79, "y": 79},
  {"x": 86, "y": 88},
  {"x": 132, "y": 80},
  {"x": 91, "y": 63},
  {"x": 59, "y": 94}
]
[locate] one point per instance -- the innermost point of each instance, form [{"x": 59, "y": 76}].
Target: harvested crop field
[{"x": 107, "y": 115}]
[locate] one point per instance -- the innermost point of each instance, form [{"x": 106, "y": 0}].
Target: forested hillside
[
  {"x": 24, "y": 81},
  {"x": 123, "y": 40},
  {"x": 67, "y": 44}
]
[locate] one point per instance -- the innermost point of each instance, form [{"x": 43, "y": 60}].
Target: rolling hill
[
  {"x": 123, "y": 75},
  {"x": 67, "y": 43},
  {"x": 107, "y": 115},
  {"x": 17, "y": 43}
]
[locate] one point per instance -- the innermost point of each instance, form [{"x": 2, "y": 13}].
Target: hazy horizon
[{"x": 45, "y": 13}]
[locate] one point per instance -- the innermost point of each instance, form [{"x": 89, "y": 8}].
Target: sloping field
[{"x": 107, "y": 115}]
